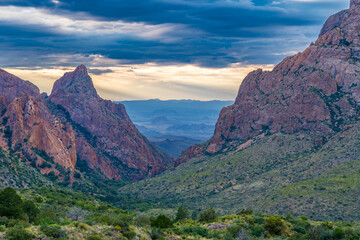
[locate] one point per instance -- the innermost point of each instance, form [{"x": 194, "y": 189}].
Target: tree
[
  {"x": 77, "y": 213},
  {"x": 10, "y": 203},
  {"x": 182, "y": 213},
  {"x": 31, "y": 210},
  {"x": 208, "y": 215}
]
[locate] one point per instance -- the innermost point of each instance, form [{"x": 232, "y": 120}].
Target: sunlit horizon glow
[{"x": 151, "y": 81}]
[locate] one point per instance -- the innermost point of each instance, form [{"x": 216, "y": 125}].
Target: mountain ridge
[{"x": 316, "y": 90}]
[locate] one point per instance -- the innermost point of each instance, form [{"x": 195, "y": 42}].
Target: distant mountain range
[{"x": 175, "y": 125}]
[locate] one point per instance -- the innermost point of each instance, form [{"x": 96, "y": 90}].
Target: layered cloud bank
[{"x": 156, "y": 48}]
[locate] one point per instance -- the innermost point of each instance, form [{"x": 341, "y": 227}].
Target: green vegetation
[
  {"x": 57, "y": 213},
  {"x": 301, "y": 174}
]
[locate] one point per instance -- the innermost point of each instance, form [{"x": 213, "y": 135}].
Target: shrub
[
  {"x": 274, "y": 225},
  {"x": 77, "y": 213},
  {"x": 118, "y": 228},
  {"x": 46, "y": 221},
  {"x": 155, "y": 233},
  {"x": 142, "y": 220},
  {"x": 196, "y": 230},
  {"x": 233, "y": 230},
  {"x": 83, "y": 226},
  {"x": 18, "y": 233},
  {"x": 53, "y": 231},
  {"x": 94, "y": 237},
  {"x": 208, "y": 215},
  {"x": 339, "y": 233},
  {"x": 4, "y": 220},
  {"x": 259, "y": 220},
  {"x": 245, "y": 211},
  {"x": 129, "y": 234},
  {"x": 161, "y": 221},
  {"x": 243, "y": 235},
  {"x": 299, "y": 229},
  {"x": 257, "y": 230},
  {"x": 2, "y": 228}
]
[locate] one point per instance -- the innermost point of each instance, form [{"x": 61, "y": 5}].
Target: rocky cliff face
[
  {"x": 28, "y": 127},
  {"x": 106, "y": 139},
  {"x": 316, "y": 91}
]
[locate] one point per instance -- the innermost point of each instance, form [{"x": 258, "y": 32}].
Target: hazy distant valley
[{"x": 175, "y": 125}]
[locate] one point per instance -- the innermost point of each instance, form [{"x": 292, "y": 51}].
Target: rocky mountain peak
[
  {"x": 78, "y": 82},
  {"x": 81, "y": 69},
  {"x": 107, "y": 140}
]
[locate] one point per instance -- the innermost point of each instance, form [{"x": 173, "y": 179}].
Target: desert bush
[
  {"x": 208, "y": 215},
  {"x": 161, "y": 221},
  {"x": 274, "y": 225},
  {"x": 94, "y": 237},
  {"x": 142, "y": 220},
  {"x": 245, "y": 211},
  {"x": 83, "y": 226},
  {"x": 53, "y": 231},
  {"x": 195, "y": 230},
  {"x": 233, "y": 230},
  {"x": 257, "y": 230},
  {"x": 18, "y": 233},
  {"x": 77, "y": 214},
  {"x": 129, "y": 234},
  {"x": 4, "y": 220},
  {"x": 155, "y": 233},
  {"x": 243, "y": 235}
]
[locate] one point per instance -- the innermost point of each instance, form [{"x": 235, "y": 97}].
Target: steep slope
[
  {"x": 29, "y": 129},
  {"x": 280, "y": 173},
  {"x": 315, "y": 91},
  {"x": 106, "y": 138}
]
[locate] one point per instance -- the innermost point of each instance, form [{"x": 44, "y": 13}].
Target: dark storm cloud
[{"x": 204, "y": 32}]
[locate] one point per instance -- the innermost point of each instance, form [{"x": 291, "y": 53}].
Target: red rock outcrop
[
  {"x": 111, "y": 142},
  {"x": 317, "y": 91},
  {"x": 30, "y": 126}
]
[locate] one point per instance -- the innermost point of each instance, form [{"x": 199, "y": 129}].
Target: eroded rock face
[
  {"x": 317, "y": 90},
  {"x": 113, "y": 144},
  {"x": 30, "y": 126}
]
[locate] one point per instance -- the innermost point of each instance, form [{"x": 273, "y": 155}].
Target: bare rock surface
[{"x": 113, "y": 145}]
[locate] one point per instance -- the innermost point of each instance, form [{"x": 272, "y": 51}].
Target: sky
[{"x": 165, "y": 49}]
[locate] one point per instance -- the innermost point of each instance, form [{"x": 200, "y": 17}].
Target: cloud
[
  {"x": 99, "y": 71},
  {"x": 206, "y": 33},
  {"x": 203, "y": 39}
]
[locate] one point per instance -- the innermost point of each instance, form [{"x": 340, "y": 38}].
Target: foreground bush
[
  {"x": 18, "y": 233},
  {"x": 161, "y": 221},
  {"x": 274, "y": 225},
  {"x": 209, "y": 215},
  {"x": 53, "y": 231}
]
